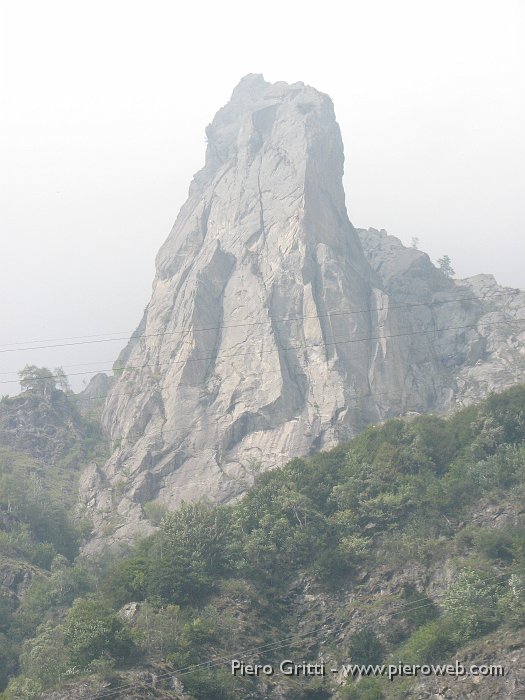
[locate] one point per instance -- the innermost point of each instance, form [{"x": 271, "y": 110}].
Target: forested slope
[
  {"x": 406, "y": 544},
  {"x": 45, "y": 441}
]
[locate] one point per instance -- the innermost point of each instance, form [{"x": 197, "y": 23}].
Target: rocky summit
[{"x": 276, "y": 329}]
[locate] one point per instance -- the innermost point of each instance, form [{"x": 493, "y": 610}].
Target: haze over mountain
[{"x": 276, "y": 329}]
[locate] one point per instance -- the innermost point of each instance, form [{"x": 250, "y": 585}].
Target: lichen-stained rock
[{"x": 271, "y": 332}]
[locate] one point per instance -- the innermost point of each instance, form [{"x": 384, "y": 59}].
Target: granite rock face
[
  {"x": 275, "y": 328},
  {"x": 472, "y": 329}
]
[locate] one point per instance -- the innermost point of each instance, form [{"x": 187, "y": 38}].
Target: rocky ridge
[
  {"x": 43, "y": 426},
  {"x": 276, "y": 329}
]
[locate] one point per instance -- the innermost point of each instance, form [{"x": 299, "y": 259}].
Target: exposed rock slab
[{"x": 274, "y": 329}]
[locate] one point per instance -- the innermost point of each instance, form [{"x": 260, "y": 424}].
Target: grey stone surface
[
  {"x": 275, "y": 328},
  {"x": 96, "y": 390}
]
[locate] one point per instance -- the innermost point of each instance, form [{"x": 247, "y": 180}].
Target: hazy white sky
[{"x": 103, "y": 107}]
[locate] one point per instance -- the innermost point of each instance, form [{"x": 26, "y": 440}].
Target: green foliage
[
  {"x": 37, "y": 497},
  {"x": 401, "y": 480},
  {"x": 159, "y": 631},
  {"x": 35, "y": 523},
  {"x": 155, "y": 511},
  {"x": 512, "y": 602},
  {"x": 418, "y": 609},
  {"x": 365, "y": 648},
  {"x": 397, "y": 493},
  {"x": 367, "y": 688},
  {"x": 127, "y": 580},
  {"x": 6, "y": 612},
  {"x": 194, "y": 545},
  {"x": 471, "y": 602},
  {"x": 8, "y": 659},
  {"x": 431, "y": 643},
  {"x": 92, "y": 630},
  {"x": 445, "y": 266},
  {"x": 44, "y": 657},
  {"x": 508, "y": 411},
  {"x": 23, "y": 688},
  {"x": 495, "y": 544},
  {"x": 50, "y": 593},
  {"x": 40, "y": 380},
  {"x": 203, "y": 685}
]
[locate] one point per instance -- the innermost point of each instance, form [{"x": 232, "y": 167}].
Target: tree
[
  {"x": 22, "y": 688},
  {"x": 37, "y": 380},
  {"x": 193, "y": 547},
  {"x": 366, "y": 648},
  {"x": 7, "y": 660},
  {"x": 93, "y": 631},
  {"x": 158, "y": 631},
  {"x": 430, "y": 643},
  {"x": 43, "y": 381},
  {"x": 512, "y": 604},
  {"x": 62, "y": 380},
  {"x": 471, "y": 602},
  {"x": 44, "y": 657},
  {"x": 446, "y": 267}
]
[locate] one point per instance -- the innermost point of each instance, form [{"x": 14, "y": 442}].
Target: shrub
[
  {"x": 365, "y": 689},
  {"x": 44, "y": 657},
  {"x": 512, "y": 603},
  {"x": 366, "y": 648},
  {"x": 494, "y": 544},
  {"x": 471, "y": 602},
  {"x": 22, "y": 688},
  {"x": 204, "y": 685},
  {"x": 431, "y": 643},
  {"x": 93, "y": 631}
]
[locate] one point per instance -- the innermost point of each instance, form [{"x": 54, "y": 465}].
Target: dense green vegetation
[
  {"x": 45, "y": 444},
  {"x": 34, "y": 511},
  {"x": 216, "y": 580},
  {"x": 51, "y": 442}
]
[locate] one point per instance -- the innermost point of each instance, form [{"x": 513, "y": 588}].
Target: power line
[
  {"x": 71, "y": 337},
  {"x": 249, "y": 324},
  {"x": 126, "y": 336},
  {"x": 130, "y": 436},
  {"x": 101, "y": 362},
  {"x": 281, "y": 348},
  {"x": 271, "y": 646}
]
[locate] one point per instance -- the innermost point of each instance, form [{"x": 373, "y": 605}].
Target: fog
[{"x": 103, "y": 110}]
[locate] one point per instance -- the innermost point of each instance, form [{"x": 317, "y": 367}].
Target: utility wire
[
  {"x": 56, "y": 340},
  {"x": 92, "y": 339},
  {"x": 101, "y": 362},
  {"x": 277, "y": 349},
  {"x": 356, "y": 400},
  {"x": 248, "y": 324},
  {"x": 270, "y": 646}
]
